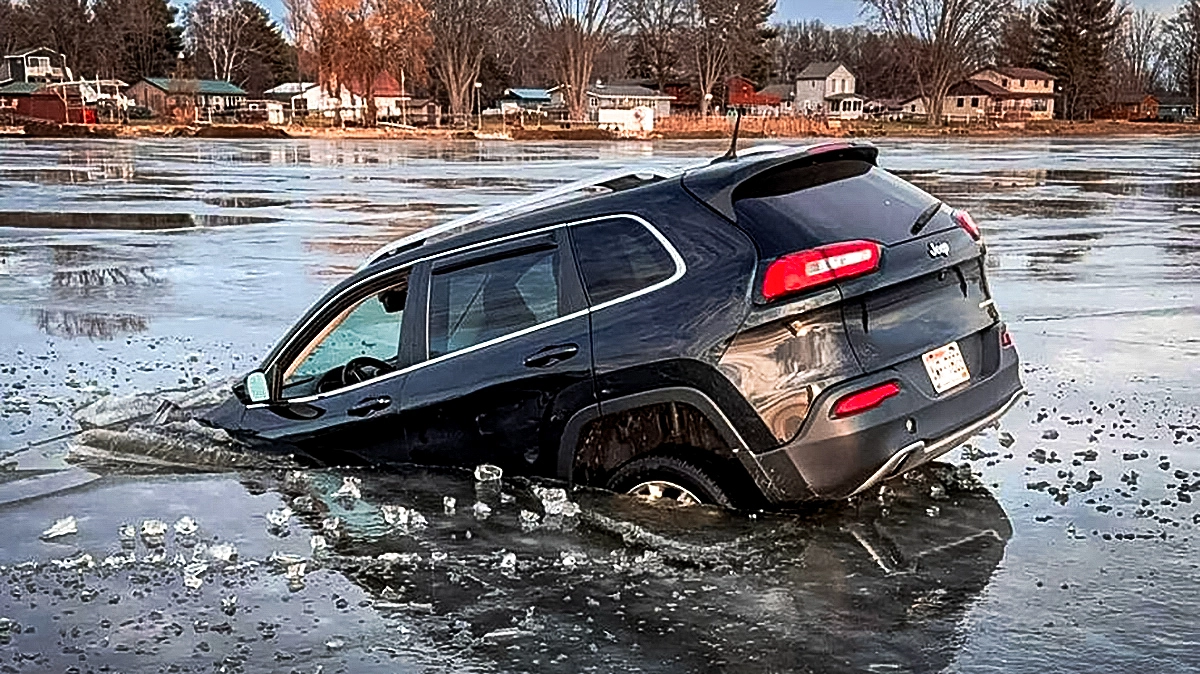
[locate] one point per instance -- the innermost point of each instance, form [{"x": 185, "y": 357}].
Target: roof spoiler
[{"x": 716, "y": 184}]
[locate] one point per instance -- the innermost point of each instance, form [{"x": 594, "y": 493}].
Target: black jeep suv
[{"x": 790, "y": 324}]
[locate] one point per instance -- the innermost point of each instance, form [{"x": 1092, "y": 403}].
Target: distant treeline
[{"x": 1097, "y": 50}]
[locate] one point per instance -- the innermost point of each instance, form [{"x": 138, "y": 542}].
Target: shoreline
[{"x": 863, "y": 129}]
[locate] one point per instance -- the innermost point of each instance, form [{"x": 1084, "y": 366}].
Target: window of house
[
  {"x": 959, "y": 103},
  {"x": 1003, "y": 82},
  {"x": 974, "y": 102},
  {"x": 475, "y": 304},
  {"x": 618, "y": 257}
]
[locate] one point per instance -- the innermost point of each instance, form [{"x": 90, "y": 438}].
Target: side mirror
[{"x": 256, "y": 387}]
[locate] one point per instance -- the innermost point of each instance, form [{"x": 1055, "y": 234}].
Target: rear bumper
[{"x": 835, "y": 458}]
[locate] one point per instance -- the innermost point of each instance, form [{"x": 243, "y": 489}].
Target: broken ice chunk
[
  {"x": 154, "y": 528},
  {"x": 284, "y": 559},
  {"x": 295, "y": 575},
  {"x": 396, "y": 516},
  {"x": 318, "y": 543},
  {"x": 279, "y": 517},
  {"x": 482, "y": 510},
  {"x": 192, "y": 574},
  {"x": 486, "y": 472},
  {"x": 229, "y": 605},
  {"x": 448, "y": 503},
  {"x": 553, "y": 499},
  {"x": 508, "y": 561},
  {"x": 528, "y": 519},
  {"x": 64, "y": 527},
  {"x": 186, "y": 526},
  {"x": 349, "y": 489},
  {"x": 224, "y": 552}
]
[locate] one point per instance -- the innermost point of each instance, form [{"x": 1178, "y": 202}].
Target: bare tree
[
  {"x": 1183, "y": 31},
  {"x": 576, "y": 31},
  {"x": 459, "y": 46},
  {"x": 62, "y": 25},
  {"x": 219, "y": 32},
  {"x": 722, "y": 33},
  {"x": 654, "y": 28},
  {"x": 356, "y": 41},
  {"x": 943, "y": 40},
  {"x": 1138, "y": 59}
]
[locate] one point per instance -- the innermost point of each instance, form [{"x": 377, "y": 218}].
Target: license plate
[{"x": 946, "y": 367}]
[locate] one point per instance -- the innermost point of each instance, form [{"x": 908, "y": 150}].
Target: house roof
[
  {"x": 291, "y": 88},
  {"x": 844, "y": 96},
  {"x": 20, "y": 88},
  {"x": 819, "y": 70},
  {"x": 1022, "y": 73},
  {"x": 202, "y": 87},
  {"x": 32, "y": 50},
  {"x": 783, "y": 91},
  {"x": 977, "y": 88},
  {"x": 626, "y": 91},
  {"x": 1133, "y": 98},
  {"x": 528, "y": 94}
]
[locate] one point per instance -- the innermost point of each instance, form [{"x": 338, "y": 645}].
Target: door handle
[
  {"x": 365, "y": 407},
  {"x": 551, "y": 355}
]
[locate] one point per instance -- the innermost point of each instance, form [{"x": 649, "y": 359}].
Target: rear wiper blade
[{"x": 925, "y": 216}]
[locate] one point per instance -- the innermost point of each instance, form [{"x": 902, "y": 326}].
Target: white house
[
  {"x": 828, "y": 88},
  {"x": 618, "y": 97}
]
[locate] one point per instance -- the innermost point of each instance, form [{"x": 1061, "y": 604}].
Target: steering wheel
[{"x": 363, "y": 368}]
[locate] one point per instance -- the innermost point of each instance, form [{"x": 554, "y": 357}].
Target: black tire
[{"x": 683, "y": 473}]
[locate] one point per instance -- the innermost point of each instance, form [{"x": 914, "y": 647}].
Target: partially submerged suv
[{"x": 786, "y": 325}]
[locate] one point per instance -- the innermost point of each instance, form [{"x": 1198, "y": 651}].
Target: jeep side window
[
  {"x": 369, "y": 328},
  {"x": 474, "y": 304},
  {"x": 618, "y": 257}
]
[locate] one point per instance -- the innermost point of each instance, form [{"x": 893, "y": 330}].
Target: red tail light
[
  {"x": 820, "y": 266},
  {"x": 1005, "y": 338},
  {"x": 965, "y": 221},
  {"x": 865, "y": 400}
]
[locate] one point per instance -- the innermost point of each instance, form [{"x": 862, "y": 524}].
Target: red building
[
  {"x": 49, "y": 103},
  {"x": 744, "y": 94}
]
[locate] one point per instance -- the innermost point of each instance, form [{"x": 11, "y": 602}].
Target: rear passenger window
[
  {"x": 471, "y": 305},
  {"x": 618, "y": 257}
]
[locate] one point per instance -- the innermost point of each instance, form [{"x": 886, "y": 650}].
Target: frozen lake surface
[{"x": 1069, "y": 543}]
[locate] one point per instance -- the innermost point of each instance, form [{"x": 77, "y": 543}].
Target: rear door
[
  {"x": 929, "y": 289},
  {"x": 507, "y": 357}
]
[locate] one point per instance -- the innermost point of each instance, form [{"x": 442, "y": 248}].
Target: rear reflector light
[
  {"x": 1005, "y": 338},
  {"x": 820, "y": 266},
  {"x": 865, "y": 400},
  {"x": 965, "y": 221}
]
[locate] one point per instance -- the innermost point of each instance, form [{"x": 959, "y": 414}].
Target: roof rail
[{"x": 614, "y": 182}]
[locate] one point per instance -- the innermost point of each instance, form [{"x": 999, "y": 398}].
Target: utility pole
[{"x": 478, "y": 107}]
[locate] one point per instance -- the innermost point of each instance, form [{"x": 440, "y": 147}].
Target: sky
[{"x": 830, "y": 12}]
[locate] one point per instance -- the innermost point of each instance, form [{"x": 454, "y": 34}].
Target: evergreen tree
[
  {"x": 1074, "y": 39},
  {"x": 140, "y": 38},
  {"x": 1017, "y": 44}
]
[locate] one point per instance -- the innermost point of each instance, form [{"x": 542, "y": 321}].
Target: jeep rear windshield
[{"x": 811, "y": 205}]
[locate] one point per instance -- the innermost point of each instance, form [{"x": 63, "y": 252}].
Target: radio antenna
[{"x": 737, "y": 125}]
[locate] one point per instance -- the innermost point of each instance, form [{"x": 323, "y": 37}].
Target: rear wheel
[{"x": 667, "y": 478}]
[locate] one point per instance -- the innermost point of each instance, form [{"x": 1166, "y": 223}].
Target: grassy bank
[{"x": 670, "y": 128}]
